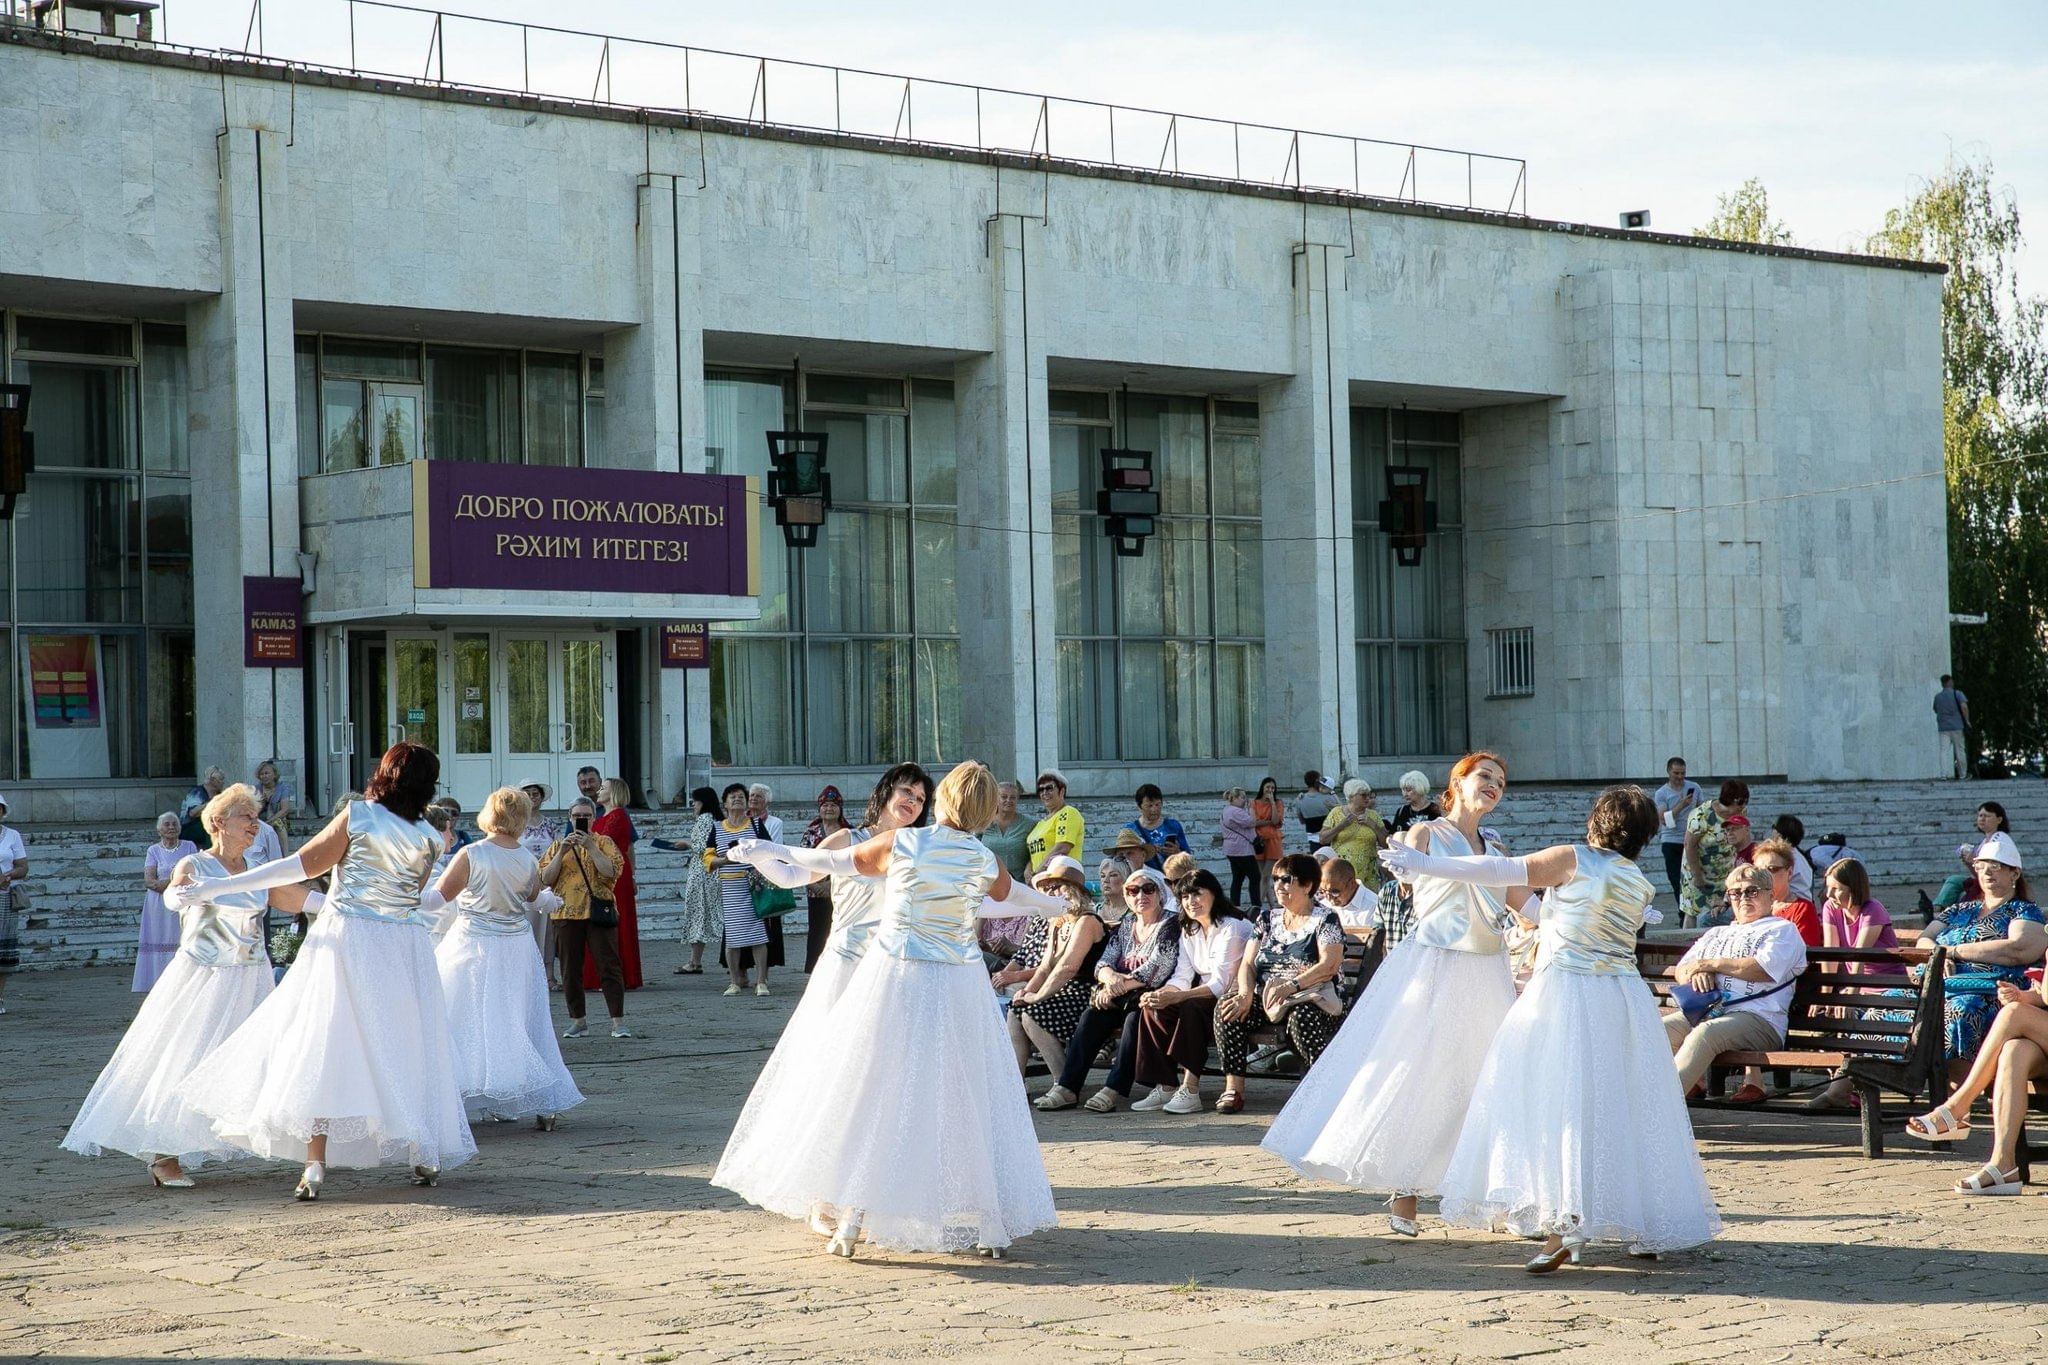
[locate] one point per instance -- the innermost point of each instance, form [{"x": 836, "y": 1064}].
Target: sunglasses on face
[
  {"x": 1141, "y": 889},
  {"x": 1743, "y": 893},
  {"x": 1774, "y": 868},
  {"x": 1281, "y": 879}
]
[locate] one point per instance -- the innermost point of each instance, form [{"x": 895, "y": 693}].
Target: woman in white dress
[
  {"x": 1382, "y": 1106},
  {"x": 216, "y": 980},
  {"x": 493, "y": 986},
  {"x": 899, "y": 802},
  {"x": 348, "y": 1062},
  {"x": 912, "y": 1117},
  {"x": 157, "y": 937},
  {"x": 1577, "y": 1130}
]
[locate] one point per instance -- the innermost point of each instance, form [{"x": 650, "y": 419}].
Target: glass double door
[{"x": 507, "y": 706}]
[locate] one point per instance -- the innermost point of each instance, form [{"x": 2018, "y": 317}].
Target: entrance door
[
  {"x": 469, "y": 767},
  {"x": 414, "y": 692},
  {"x": 559, "y": 696}
]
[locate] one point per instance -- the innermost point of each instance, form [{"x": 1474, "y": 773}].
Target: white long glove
[
  {"x": 778, "y": 872},
  {"x": 286, "y": 871},
  {"x": 545, "y": 903},
  {"x": 1023, "y": 900},
  {"x": 836, "y": 862},
  {"x": 1488, "y": 869},
  {"x": 182, "y": 896},
  {"x": 432, "y": 902},
  {"x": 315, "y": 903}
]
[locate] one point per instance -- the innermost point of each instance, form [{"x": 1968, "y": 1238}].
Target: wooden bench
[{"x": 1828, "y": 1029}]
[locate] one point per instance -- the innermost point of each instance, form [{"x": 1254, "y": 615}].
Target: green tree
[
  {"x": 1745, "y": 216},
  {"x": 1995, "y": 444}
]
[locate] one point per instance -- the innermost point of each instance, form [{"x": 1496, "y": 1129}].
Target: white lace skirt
[
  {"x": 352, "y": 1044},
  {"x": 1382, "y": 1107},
  {"x": 1578, "y": 1124},
  {"x": 908, "y": 1108},
  {"x": 503, "y": 1036},
  {"x": 136, "y": 1106},
  {"x": 776, "y": 1101}
]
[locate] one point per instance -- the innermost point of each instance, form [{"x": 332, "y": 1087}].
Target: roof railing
[{"x": 475, "y": 52}]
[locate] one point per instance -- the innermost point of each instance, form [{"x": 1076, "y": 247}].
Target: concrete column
[
  {"x": 1009, "y": 717},
  {"x": 1305, "y": 446},
  {"x": 245, "y": 463}
]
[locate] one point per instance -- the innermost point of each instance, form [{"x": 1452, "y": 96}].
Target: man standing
[
  {"x": 1675, "y": 800},
  {"x": 1316, "y": 803},
  {"x": 1951, "y": 719}
]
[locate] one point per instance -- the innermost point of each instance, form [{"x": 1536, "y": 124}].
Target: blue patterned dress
[{"x": 1970, "y": 993}]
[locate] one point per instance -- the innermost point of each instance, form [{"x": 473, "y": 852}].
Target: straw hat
[
  {"x": 1060, "y": 868},
  {"x": 1127, "y": 839}
]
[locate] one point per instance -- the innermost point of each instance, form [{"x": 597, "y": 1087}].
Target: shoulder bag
[
  {"x": 770, "y": 901},
  {"x": 604, "y": 911}
]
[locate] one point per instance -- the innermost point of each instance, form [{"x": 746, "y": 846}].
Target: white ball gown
[
  {"x": 1382, "y": 1107},
  {"x": 354, "y": 1043},
  {"x": 909, "y": 1108},
  {"x": 495, "y": 991},
  {"x": 1578, "y": 1125},
  {"x": 215, "y": 981},
  {"x": 856, "y": 915}
]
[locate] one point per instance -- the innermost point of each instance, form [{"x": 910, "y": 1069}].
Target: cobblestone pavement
[{"x": 1178, "y": 1241}]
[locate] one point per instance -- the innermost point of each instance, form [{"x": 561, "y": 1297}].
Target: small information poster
[
  {"x": 685, "y": 644},
  {"x": 272, "y": 627}
]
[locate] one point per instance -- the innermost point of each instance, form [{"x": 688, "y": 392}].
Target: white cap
[
  {"x": 1326, "y": 854},
  {"x": 3, "y": 803},
  {"x": 1999, "y": 848}
]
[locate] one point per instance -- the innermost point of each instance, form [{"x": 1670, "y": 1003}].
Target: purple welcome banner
[{"x": 583, "y": 530}]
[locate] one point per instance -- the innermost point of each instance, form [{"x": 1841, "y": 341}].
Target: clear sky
[{"x": 1842, "y": 109}]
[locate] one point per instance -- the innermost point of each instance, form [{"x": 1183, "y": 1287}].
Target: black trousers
[
  {"x": 1245, "y": 869},
  {"x": 1097, "y": 1025}
]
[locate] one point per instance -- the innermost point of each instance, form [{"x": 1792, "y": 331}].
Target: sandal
[
  {"x": 1748, "y": 1094},
  {"x": 1991, "y": 1180},
  {"x": 1939, "y": 1125},
  {"x": 1230, "y": 1102}
]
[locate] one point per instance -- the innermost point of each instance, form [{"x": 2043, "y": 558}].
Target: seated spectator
[
  {"x": 1753, "y": 962},
  {"x": 1990, "y": 941},
  {"x": 2014, "y": 1055},
  {"x": 1852, "y": 919},
  {"x": 1792, "y": 830},
  {"x": 1831, "y": 849},
  {"x": 1962, "y": 886},
  {"x": 1162, "y": 834},
  {"x": 1775, "y": 858},
  {"x": 1357, "y": 909},
  {"x": 1045, "y": 1011},
  {"x": 1109, "y": 881},
  {"x": 1741, "y": 838},
  {"x": 1418, "y": 802},
  {"x": 1176, "y": 1022},
  {"x": 1141, "y": 955},
  {"x": 1241, "y": 846},
  {"x": 1357, "y": 833},
  {"x": 1288, "y": 977},
  {"x": 1131, "y": 850},
  {"x": 1180, "y": 869}
]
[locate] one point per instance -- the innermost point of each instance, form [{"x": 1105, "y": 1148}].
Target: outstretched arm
[
  {"x": 868, "y": 859},
  {"x": 1549, "y": 867}
]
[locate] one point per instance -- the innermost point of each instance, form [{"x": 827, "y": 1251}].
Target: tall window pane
[
  {"x": 168, "y": 530},
  {"x": 473, "y": 404},
  {"x": 173, "y": 685},
  {"x": 753, "y": 721},
  {"x": 75, "y": 559},
  {"x": 166, "y": 400},
  {"x": 593, "y": 416},
  {"x": 554, "y": 409},
  {"x": 79, "y": 415}
]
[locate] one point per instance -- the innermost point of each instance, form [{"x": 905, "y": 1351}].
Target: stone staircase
[{"x": 87, "y": 881}]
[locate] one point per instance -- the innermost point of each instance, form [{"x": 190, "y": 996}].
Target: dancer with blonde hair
[{"x": 914, "y": 1123}]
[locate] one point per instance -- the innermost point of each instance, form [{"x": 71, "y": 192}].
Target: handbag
[
  {"x": 1698, "y": 1006},
  {"x": 18, "y": 898},
  {"x": 604, "y": 911},
  {"x": 770, "y": 901}
]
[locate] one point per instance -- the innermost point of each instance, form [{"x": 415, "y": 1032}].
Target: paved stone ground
[{"x": 1179, "y": 1241}]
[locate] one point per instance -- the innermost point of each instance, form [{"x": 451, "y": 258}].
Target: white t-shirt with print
[{"x": 1777, "y": 948}]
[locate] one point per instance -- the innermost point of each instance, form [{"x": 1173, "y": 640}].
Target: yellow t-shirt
[{"x": 1063, "y": 826}]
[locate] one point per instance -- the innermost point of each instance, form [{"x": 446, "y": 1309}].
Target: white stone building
[{"x": 1688, "y": 495}]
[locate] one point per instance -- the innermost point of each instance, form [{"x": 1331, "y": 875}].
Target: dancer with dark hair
[
  {"x": 1381, "y": 1108},
  {"x": 913, "y": 1122},
  {"x": 348, "y": 1062},
  {"x": 1577, "y": 1130}
]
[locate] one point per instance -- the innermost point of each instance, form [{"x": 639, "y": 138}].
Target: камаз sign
[{"x": 584, "y": 530}]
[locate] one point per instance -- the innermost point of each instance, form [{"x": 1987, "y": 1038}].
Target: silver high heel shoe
[
  {"x": 1402, "y": 1227},
  {"x": 309, "y": 1182},
  {"x": 1544, "y": 1262},
  {"x": 180, "y": 1181},
  {"x": 847, "y": 1237},
  {"x": 425, "y": 1175},
  {"x": 991, "y": 1253},
  {"x": 544, "y": 1122}
]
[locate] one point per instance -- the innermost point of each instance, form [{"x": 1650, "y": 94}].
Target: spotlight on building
[
  {"x": 1128, "y": 503},
  {"x": 799, "y": 488},
  {"x": 1636, "y": 218},
  {"x": 17, "y": 447}
]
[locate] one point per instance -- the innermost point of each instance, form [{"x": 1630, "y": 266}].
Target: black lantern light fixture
[
  {"x": 1128, "y": 503},
  {"x": 17, "y": 447},
  {"x": 1408, "y": 515},
  {"x": 799, "y": 488}
]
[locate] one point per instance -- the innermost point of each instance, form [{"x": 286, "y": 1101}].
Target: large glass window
[
  {"x": 856, "y": 657},
  {"x": 365, "y": 402},
  {"x": 1161, "y": 655},
  {"x": 1410, "y": 617},
  {"x": 99, "y": 556}
]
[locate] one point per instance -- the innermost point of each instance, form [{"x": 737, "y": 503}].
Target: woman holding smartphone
[{"x": 582, "y": 867}]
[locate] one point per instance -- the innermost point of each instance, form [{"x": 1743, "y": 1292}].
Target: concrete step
[{"x": 87, "y": 880}]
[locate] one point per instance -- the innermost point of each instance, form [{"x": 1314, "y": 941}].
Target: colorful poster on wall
[{"x": 67, "y": 732}]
